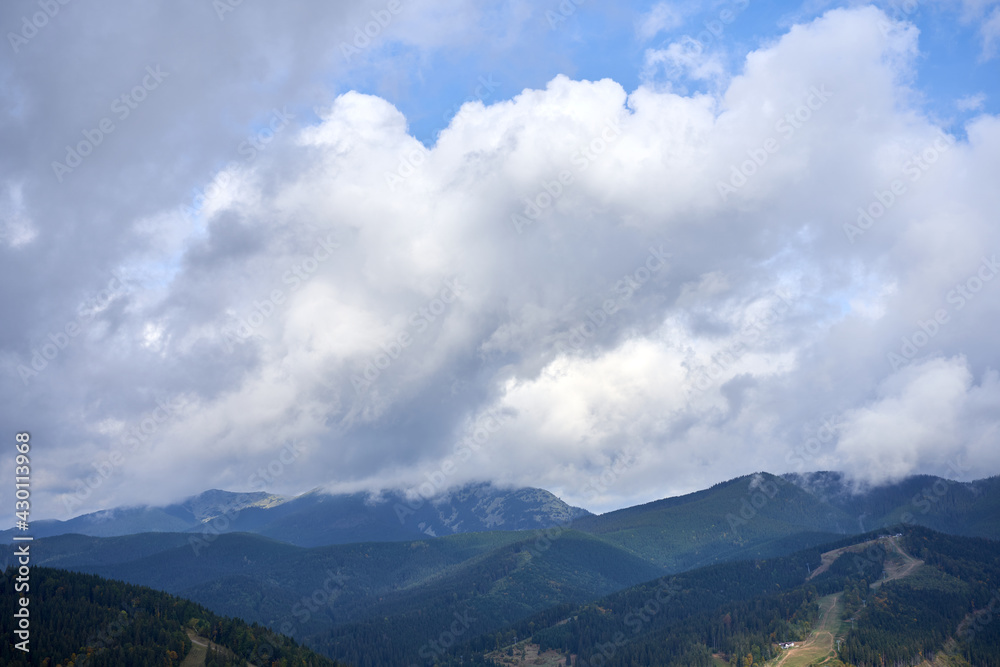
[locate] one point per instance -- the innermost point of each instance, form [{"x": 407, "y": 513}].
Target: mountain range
[
  {"x": 356, "y": 575},
  {"x": 820, "y": 502},
  {"x": 317, "y": 518}
]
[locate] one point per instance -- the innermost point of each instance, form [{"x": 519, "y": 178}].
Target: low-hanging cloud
[{"x": 640, "y": 315}]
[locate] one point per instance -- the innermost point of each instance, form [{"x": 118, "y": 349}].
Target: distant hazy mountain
[
  {"x": 958, "y": 508},
  {"x": 318, "y": 518},
  {"x": 762, "y": 512},
  {"x": 496, "y": 576},
  {"x": 763, "y": 515},
  {"x": 758, "y": 515},
  {"x": 381, "y": 568},
  {"x": 173, "y": 518}
]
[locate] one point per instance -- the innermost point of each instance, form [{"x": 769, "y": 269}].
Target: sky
[{"x": 619, "y": 251}]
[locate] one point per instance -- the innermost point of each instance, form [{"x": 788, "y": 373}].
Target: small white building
[{"x": 786, "y": 644}]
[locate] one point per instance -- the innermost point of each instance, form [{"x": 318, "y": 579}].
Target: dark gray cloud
[{"x": 566, "y": 259}]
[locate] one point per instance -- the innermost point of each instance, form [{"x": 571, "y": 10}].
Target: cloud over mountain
[{"x": 613, "y": 294}]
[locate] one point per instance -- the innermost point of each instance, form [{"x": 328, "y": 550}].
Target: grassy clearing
[
  {"x": 196, "y": 657},
  {"x": 898, "y": 568},
  {"x": 199, "y": 651},
  {"x": 531, "y": 657},
  {"x": 818, "y": 648}
]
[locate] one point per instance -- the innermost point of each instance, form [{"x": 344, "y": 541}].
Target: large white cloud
[
  {"x": 928, "y": 416},
  {"x": 672, "y": 288}
]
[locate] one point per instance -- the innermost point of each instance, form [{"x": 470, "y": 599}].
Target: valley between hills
[{"x": 720, "y": 576}]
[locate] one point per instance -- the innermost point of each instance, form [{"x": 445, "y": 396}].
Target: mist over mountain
[
  {"x": 490, "y": 333},
  {"x": 344, "y": 569},
  {"x": 962, "y": 508},
  {"x": 666, "y": 266},
  {"x": 318, "y": 518}
]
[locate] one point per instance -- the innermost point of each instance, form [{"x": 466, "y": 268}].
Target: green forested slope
[
  {"x": 737, "y": 612},
  {"x": 754, "y": 516},
  {"x": 88, "y": 620},
  {"x": 378, "y": 603}
]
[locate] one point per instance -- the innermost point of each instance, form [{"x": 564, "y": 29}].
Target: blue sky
[{"x": 597, "y": 41}]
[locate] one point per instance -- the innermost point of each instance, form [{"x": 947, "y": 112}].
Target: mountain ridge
[
  {"x": 316, "y": 517},
  {"x": 395, "y": 588}
]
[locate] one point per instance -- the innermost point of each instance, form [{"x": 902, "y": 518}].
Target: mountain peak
[{"x": 214, "y": 502}]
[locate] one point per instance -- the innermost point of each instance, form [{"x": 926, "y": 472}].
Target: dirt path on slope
[
  {"x": 817, "y": 649},
  {"x": 199, "y": 650},
  {"x": 910, "y": 563},
  {"x": 895, "y": 571}
]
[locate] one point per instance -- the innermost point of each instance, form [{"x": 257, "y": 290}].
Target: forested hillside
[
  {"x": 884, "y": 605},
  {"x": 751, "y": 564},
  {"x": 950, "y": 603},
  {"x": 84, "y": 619},
  {"x": 959, "y": 508}
]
